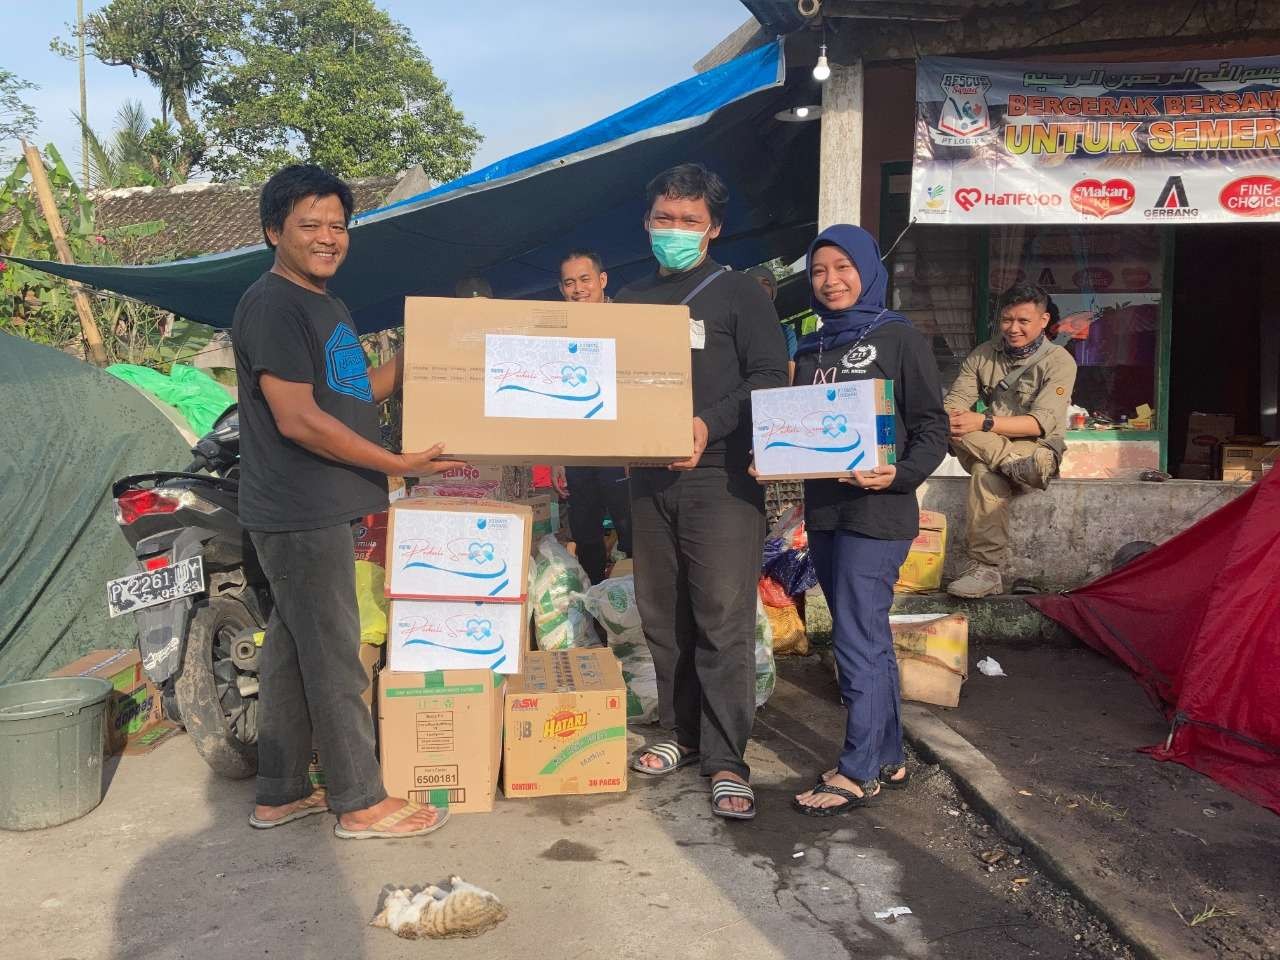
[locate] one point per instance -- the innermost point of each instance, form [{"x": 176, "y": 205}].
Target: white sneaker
[{"x": 977, "y": 580}]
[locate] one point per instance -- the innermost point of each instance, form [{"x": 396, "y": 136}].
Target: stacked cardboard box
[
  {"x": 477, "y": 482},
  {"x": 1247, "y": 462},
  {"x": 922, "y": 571},
  {"x": 933, "y": 656},
  {"x": 135, "y": 715},
  {"x": 566, "y": 725}
]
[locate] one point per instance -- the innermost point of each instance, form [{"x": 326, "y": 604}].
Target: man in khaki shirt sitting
[{"x": 1024, "y": 382}]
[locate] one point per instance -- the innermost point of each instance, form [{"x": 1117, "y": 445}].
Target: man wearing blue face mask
[{"x": 698, "y": 527}]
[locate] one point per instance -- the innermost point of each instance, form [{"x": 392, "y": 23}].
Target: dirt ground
[
  {"x": 167, "y": 868},
  {"x": 1066, "y": 725}
]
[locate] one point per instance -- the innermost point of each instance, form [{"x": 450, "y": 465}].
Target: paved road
[{"x": 167, "y": 868}]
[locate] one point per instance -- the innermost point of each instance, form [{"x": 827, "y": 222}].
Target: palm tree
[{"x": 139, "y": 153}]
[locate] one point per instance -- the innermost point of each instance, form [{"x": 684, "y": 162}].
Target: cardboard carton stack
[
  {"x": 135, "y": 715},
  {"x": 922, "y": 571},
  {"x": 1247, "y": 462}
]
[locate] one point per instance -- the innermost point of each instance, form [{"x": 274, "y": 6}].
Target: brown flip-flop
[
  {"x": 305, "y": 808},
  {"x": 380, "y": 830}
]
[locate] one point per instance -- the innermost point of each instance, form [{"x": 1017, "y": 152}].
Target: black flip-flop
[
  {"x": 851, "y": 799},
  {"x": 1024, "y": 588},
  {"x": 672, "y": 757},
  {"x": 887, "y": 772}
]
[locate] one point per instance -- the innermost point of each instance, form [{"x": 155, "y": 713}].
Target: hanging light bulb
[
  {"x": 821, "y": 69},
  {"x": 802, "y": 112}
]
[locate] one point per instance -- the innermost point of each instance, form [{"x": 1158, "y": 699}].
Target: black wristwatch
[{"x": 988, "y": 423}]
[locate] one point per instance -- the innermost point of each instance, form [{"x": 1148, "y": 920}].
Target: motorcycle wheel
[{"x": 222, "y": 724}]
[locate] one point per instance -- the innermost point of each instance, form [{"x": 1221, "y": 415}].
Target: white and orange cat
[{"x": 464, "y": 910}]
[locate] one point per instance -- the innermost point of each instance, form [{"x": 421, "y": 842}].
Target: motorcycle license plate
[{"x": 147, "y": 589}]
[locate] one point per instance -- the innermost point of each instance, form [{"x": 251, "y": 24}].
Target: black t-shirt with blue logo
[{"x": 304, "y": 337}]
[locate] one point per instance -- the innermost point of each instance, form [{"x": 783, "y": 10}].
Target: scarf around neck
[{"x": 1021, "y": 353}]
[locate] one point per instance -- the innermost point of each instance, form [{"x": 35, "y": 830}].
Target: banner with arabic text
[{"x": 1003, "y": 142}]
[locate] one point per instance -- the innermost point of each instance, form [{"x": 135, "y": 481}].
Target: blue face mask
[{"x": 677, "y": 249}]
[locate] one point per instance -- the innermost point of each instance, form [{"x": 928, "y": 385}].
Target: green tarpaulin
[{"x": 66, "y": 433}]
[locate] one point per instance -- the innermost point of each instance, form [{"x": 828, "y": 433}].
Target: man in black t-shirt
[
  {"x": 310, "y": 465},
  {"x": 698, "y": 528}
]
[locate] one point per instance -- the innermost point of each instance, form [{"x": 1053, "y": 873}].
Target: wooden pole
[
  {"x": 95, "y": 352},
  {"x": 840, "y": 151},
  {"x": 84, "y": 100}
]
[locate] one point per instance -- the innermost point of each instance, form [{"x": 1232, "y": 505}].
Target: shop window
[{"x": 1106, "y": 283}]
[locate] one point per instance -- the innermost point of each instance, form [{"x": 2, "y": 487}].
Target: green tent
[{"x": 67, "y": 432}]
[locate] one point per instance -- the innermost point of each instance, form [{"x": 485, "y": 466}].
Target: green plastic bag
[{"x": 193, "y": 393}]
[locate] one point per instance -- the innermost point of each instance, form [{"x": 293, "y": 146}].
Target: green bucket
[{"x": 51, "y": 738}]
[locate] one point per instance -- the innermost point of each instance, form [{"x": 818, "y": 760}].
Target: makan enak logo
[{"x": 1172, "y": 204}]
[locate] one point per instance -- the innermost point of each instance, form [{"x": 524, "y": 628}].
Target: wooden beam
[
  {"x": 840, "y": 151},
  {"x": 95, "y": 352}
]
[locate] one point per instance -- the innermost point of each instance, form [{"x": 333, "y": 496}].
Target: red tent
[{"x": 1198, "y": 621}]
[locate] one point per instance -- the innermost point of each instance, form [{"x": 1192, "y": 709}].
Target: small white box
[
  {"x": 824, "y": 430},
  {"x": 444, "y": 549},
  {"x": 427, "y": 635}
]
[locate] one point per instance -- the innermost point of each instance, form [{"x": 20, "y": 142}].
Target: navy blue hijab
[{"x": 840, "y": 327}]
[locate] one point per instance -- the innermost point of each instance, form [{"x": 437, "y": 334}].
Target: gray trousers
[
  {"x": 310, "y": 674},
  {"x": 698, "y": 538}
]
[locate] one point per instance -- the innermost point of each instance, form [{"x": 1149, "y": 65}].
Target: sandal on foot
[
  {"x": 887, "y": 772},
  {"x": 381, "y": 829},
  {"x": 304, "y": 809},
  {"x": 726, "y": 789},
  {"x": 851, "y": 799},
  {"x": 669, "y": 752}
]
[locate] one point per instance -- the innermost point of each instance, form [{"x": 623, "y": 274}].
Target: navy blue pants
[{"x": 857, "y": 575}]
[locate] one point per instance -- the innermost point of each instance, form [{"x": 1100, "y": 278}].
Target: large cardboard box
[
  {"x": 823, "y": 430},
  {"x": 525, "y": 381},
  {"x": 370, "y": 533},
  {"x": 566, "y": 725},
  {"x": 1204, "y": 432},
  {"x": 544, "y": 515},
  {"x": 922, "y": 571},
  {"x": 933, "y": 656},
  {"x": 1245, "y": 463},
  {"x": 426, "y": 635},
  {"x": 441, "y": 737},
  {"x": 444, "y": 549},
  {"x": 134, "y": 706}
]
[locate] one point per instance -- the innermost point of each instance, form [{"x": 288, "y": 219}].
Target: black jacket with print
[{"x": 899, "y": 353}]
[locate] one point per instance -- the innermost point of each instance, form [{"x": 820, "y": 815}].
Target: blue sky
[{"x": 530, "y": 72}]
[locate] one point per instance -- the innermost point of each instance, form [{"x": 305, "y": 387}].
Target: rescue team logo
[
  {"x": 564, "y": 724},
  {"x": 1256, "y": 196},
  {"x": 1172, "y": 204},
  {"x": 969, "y": 197},
  {"x": 1094, "y": 198},
  {"x": 965, "y": 115}
]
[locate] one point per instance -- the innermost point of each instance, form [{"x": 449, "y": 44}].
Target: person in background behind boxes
[
  {"x": 698, "y": 527},
  {"x": 593, "y": 491},
  {"x": 1024, "y": 382},
  {"x": 764, "y": 276},
  {"x": 860, "y": 528},
  {"x": 311, "y": 465},
  {"x": 473, "y": 287}
]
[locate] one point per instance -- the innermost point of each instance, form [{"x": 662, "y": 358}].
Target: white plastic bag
[
  {"x": 766, "y": 672},
  {"x": 613, "y": 604},
  {"x": 556, "y": 584}
]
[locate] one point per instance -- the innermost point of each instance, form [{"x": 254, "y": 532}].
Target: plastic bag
[
  {"x": 766, "y": 669},
  {"x": 613, "y": 604},
  {"x": 371, "y": 602},
  {"x": 794, "y": 570},
  {"x": 193, "y": 393},
  {"x": 557, "y": 583}
]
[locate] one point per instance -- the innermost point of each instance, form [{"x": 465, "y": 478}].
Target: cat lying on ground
[{"x": 464, "y": 910}]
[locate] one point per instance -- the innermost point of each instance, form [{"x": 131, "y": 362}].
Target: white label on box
[
  {"x": 430, "y": 635},
  {"x": 550, "y": 378},
  {"x": 456, "y": 554},
  {"x": 824, "y": 428}
]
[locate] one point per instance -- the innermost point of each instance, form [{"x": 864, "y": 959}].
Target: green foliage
[
  {"x": 17, "y": 119},
  {"x": 40, "y": 307},
  {"x": 334, "y": 82},
  {"x": 140, "y": 152}
]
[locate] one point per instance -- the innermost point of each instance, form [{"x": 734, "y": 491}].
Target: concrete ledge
[
  {"x": 1019, "y": 820},
  {"x": 1067, "y": 535}
]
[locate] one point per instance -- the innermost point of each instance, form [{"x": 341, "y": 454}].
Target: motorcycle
[{"x": 199, "y": 596}]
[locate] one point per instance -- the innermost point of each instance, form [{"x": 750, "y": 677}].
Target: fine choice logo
[{"x": 1256, "y": 196}]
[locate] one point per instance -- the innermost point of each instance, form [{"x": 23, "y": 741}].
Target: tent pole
[{"x": 94, "y": 350}]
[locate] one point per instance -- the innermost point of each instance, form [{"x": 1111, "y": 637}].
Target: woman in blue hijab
[{"x": 860, "y": 527}]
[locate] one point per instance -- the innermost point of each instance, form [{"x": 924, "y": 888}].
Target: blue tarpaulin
[{"x": 512, "y": 221}]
